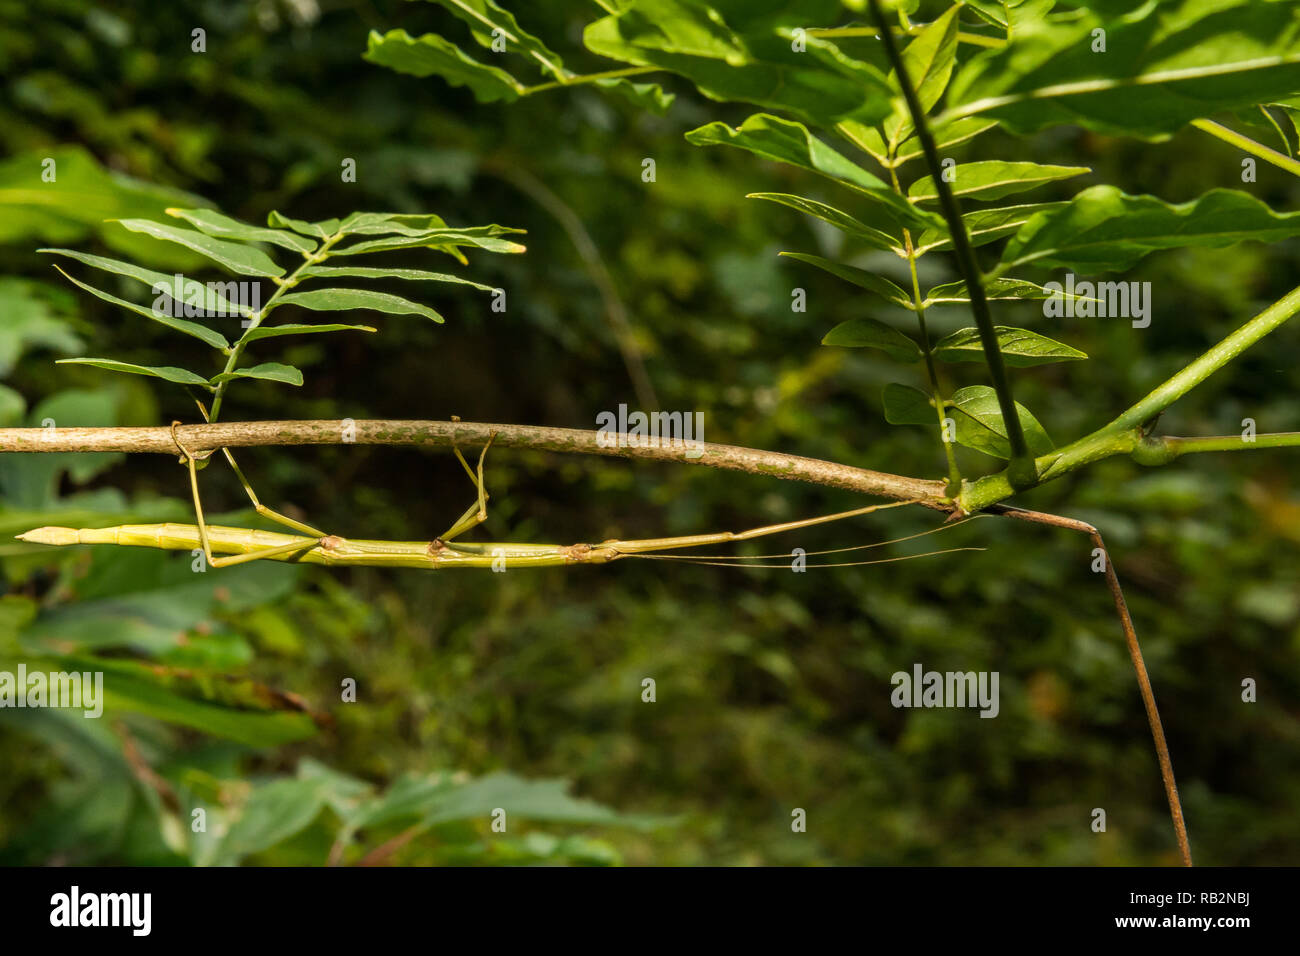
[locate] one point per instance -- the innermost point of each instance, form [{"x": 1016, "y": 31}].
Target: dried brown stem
[
  {"x": 1135, "y": 653},
  {"x": 201, "y": 438}
]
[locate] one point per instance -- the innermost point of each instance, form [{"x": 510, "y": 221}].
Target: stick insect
[
  {"x": 312, "y": 546},
  {"x": 226, "y": 546}
]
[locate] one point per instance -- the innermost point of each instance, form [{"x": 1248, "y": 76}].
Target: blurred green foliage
[{"x": 478, "y": 689}]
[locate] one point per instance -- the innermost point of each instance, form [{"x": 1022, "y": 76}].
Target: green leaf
[
  {"x": 859, "y": 277},
  {"x": 234, "y": 710},
  {"x": 243, "y": 260},
  {"x": 983, "y": 226},
  {"x": 29, "y": 322},
  {"x": 178, "y": 375},
  {"x": 431, "y": 54},
  {"x": 224, "y": 227},
  {"x": 746, "y": 57},
  {"x": 929, "y": 61},
  {"x": 978, "y": 418},
  {"x": 274, "y": 812},
  {"x": 1165, "y": 64},
  {"x": 1020, "y": 347},
  {"x": 12, "y": 407},
  {"x": 324, "y": 229},
  {"x": 390, "y": 223},
  {"x": 212, "y": 300},
  {"x": 209, "y": 336},
  {"x": 996, "y": 11},
  {"x": 272, "y": 331},
  {"x": 873, "y": 334},
  {"x": 1104, "y": 229},
  {"x": 789, "y": 142},
  {"x": 342, "y": 300},
  {"x": 365, "y": 272},
  {"x": 269, "y": 371},
  {"x": 865, "y": 138},
  {"x": 435, "y": 799},
  {"x": 487, "y": 21},
  {"x": 905, "y": 405},
  {"x": 482, "y": 237},
  {"x": 1007, "y": 290},
  {"x": 876, "y": 238},
  {"x": 648, "y": 96},
  {"x": 83, "y": 202},
  {"x": 950, "y": 134},
  {"x": 992, "y": 179}
]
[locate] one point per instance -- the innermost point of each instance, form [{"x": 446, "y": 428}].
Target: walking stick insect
[{"x": 313, "y": 546}]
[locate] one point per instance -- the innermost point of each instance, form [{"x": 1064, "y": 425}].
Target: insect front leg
[
  {"x": 303, "y": 544},
  {"x": 476, "y": 513}
]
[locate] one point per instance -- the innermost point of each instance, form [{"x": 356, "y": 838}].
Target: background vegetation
[{"x": 773, "y": 688}]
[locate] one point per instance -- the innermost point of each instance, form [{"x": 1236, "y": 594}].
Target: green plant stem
[
  {"x": 954, "y": 473},
  {"x": 831, "y": 33},
  {"x": 445, "y": 434},
  {"x": 1279, "y": 160},
  {"x": 589, "y": 78},
  {"x": 1021, "y": 471},
  {"x": 1160, "y": 450},
  {"x": 1210, "y": 362},
  {"x": 1125, "y": 435},
  {"x": 256, "y": 319}
]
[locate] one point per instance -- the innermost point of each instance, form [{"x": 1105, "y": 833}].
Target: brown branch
[
  {"x": 200, "y": 438},
  {"x": 1135, "y": 654}
]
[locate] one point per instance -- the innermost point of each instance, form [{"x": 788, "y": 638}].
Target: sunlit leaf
[
  {"x": 788, "y": 142},
  {"x": 994, "y": 179},
  {"x": 984, "y": 226},
  {"x": 1020, "y": 347},
  {"x": 1103, "y": 229},
  {"x": 1008, "y": 290},
  {"x": 743, "y": 53},
  {"x": 431, "y": 54},
  {"x": 1164, "y": 65},
  {"x": 979, "y": 425},
  {"x": 929, "y": 59},
  {"x": 488, "y": 22}
]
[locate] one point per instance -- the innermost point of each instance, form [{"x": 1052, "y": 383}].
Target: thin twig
[
  {"x": 1021, "y": 471},
  {"x": 1135, "y": 653},
  {"x": 201, "y": 438}
]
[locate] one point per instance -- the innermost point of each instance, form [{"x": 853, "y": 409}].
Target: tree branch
[{"x": 199, "y": 438}]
